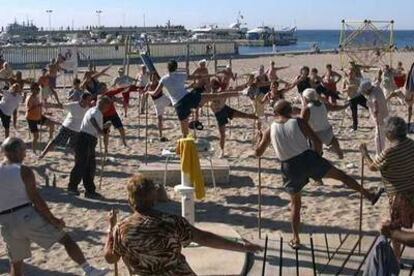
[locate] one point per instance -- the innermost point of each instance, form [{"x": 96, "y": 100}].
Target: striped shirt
[{"x": 397, "y": 167}]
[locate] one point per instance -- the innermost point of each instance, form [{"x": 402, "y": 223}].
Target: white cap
[
  {"x": 310, "y": 94},
  {"x": 202, "y": 61},
  {"x": 364, "y": 86}
]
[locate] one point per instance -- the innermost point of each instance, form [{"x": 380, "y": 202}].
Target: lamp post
[
  {"x": 49, "y": 12},
  {"x": 98, "y": 13}
]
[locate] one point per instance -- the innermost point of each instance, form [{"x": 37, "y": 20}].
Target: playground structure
[{"x": 367, "y": 43}]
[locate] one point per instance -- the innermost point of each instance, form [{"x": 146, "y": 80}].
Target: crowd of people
[{"x": 299, "y": 132}]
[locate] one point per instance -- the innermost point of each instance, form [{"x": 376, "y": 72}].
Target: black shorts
[
  {"x": 33, "y": 124},
  {"x": 224, "y": 115},
  {"x": 297, "y": 170},
  {"x": 188, "y": 102},
  {"x": 264, "y": 89},
  {"x": 115, "y": 120},
  {"x": 64, "y": 136},
  {"x": 5, "y": 120}
]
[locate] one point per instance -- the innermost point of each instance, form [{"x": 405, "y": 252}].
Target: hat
[
  {"x": 121, "y": 69},
  {"x": 364, "y": 86},
  {"x": 310, "y": 94},
  {"x": 202, "y": 61}
]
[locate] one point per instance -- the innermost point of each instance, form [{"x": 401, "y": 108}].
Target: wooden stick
[
  {"x": 115, "y": 214},
  {"x": 264, "y": 257},
  {"x": 281, "y": 256},
  {"x": 259, "y": 199},
  {"x": 146, "y": 130},
  {"x": 313, "y": 255},
  {"x": 297, "y": 261},
  {"x": 361, "y": 202},
  {"x": 139, "y": 116},
  {"x": 327, "y": 246}
]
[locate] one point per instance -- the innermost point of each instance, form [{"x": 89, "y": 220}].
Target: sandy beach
[{"x": 328, "y": 208}]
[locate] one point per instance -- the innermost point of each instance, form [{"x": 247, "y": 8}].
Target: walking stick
[
  {"x": 139, "y": 116},
  {"x": 265, "y": 257},
  {"x": 115, "y": 215},
  {"x": 361, "y": 202},
  {"x": 146, "y": 130},
  {"x": 260, "y": 197}
]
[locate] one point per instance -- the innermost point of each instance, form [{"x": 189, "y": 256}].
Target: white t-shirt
[
  {"x": 87, "y": 126},
  {"x": 9, "y": 102},
  {"x": 378, "y": 96},
  {"x": 76, "y": 112},
  {"x": 175, "y": 85}
]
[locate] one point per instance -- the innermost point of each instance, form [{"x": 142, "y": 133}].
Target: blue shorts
[{"x": 190, "y": 101}]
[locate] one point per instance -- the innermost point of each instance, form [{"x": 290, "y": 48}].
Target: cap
[
  {"x": 310, "y": 94},
  {"x": 121, "y": 69},
  {"x": 202, "y": 61}
]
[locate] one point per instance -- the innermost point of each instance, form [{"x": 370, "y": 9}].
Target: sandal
[
  {"x": 294, "y": 245},
  {"x": 192, "y": 124},
  {"x": 199, "y": 125}
]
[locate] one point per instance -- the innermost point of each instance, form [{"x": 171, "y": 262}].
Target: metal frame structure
[{"x": 353, "y": 30}]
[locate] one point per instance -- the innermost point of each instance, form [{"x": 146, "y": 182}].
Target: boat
[{"x": 283, "y": 37}]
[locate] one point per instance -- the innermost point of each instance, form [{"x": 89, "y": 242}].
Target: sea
[{"x": 326, "y": 40}]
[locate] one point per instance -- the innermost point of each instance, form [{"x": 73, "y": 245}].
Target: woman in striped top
[{"x": 396, "y": 164}]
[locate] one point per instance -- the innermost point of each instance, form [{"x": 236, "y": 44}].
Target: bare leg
[
  {"x": 51, "y": 129},
  {"x": 34, "y": 141},
  {"x": 123, "y": 136},
  {"x": 222, "y": 131},
  {"x": 213, "y": 96},
  {"x": 197, "y": 115},
  {"x": 14, "y": 119},
  {"x": 337, "y": 148},
  {"x": 296, "y": 204},
  {"x": 16, "y": 268},
  {"x": 184, "y": 127},
  {"x": 239, "y": 114},
  {"x": 6, "y": 132},
  {"x": 339, "y": 175},
  {"x": 106, "y": 141},
  {"x": 410, "y": 113},
  {"x": 73, "y": 250}
]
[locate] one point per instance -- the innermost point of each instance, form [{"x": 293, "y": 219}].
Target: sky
[{"x": 305, "y": 14}]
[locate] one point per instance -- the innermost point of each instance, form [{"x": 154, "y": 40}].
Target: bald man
[{"x": 289, "y": 137}]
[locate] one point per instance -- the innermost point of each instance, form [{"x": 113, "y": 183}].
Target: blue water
[{"x": 326, "y": 40}]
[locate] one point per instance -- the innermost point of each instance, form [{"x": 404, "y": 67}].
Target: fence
[{"x": 20, "y": 56}]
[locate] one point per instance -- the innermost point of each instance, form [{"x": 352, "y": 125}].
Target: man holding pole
[
  {"x": 289, "y": 137},
  {"x": 377, "y": 105},
  {"x": 85, "y": 160}
]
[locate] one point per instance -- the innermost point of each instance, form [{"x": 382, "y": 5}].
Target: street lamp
[
  {"x": 49, "y": 12},
  {"x": 98, "y": 13}
]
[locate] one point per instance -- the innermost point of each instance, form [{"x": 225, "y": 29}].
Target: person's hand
[
  {"x": 386, "y": 229},
  {"x": 363, "y": 149},
  {"x": 251, "y": 247},
  {"x": 57, "y": 222}
]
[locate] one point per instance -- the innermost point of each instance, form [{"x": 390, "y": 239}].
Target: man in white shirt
[
  {"x": 377, "y": 105},
  {"x": 85, "y": 162},
  {"x": 182, "y": 100},
  {"x": 8, "y": 104},
  {"x": 25, "y": 217},
  {"x": 69, "y": 132}
]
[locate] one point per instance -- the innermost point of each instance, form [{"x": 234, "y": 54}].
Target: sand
[{"x": 327, "y": 208}]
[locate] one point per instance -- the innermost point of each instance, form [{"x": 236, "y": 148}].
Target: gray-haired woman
[{"x": 396, "y": 164}]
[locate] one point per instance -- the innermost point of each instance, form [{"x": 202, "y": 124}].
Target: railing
[{"x": 40, "y": 54}]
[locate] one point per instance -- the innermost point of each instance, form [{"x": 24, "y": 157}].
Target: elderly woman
[
  {"x": 149, "y": 242},
  {"x": 396, "y": 164}
]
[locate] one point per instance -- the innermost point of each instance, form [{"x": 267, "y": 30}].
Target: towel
[{"x": 190, "y": 164}]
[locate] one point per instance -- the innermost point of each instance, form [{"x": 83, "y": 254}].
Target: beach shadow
[
  {"x": 252, "y": 199},
  {"x": 31, "y": 270},
  {"x": 238, "y": 182}
]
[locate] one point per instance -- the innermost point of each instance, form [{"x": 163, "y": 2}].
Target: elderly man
[
  {"x": 149, "y": 242},
  {"x": 25, "y": 216},
  {"x": 289, "y": 137},
  {"x": 396, "y": 164},
  {"x": 377, "y": 105},
  {"x": 123, "y": 81},
  {"x": 8, "y": 104}
]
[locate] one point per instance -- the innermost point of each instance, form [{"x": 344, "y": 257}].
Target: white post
[{"x": 187, "y": 198}]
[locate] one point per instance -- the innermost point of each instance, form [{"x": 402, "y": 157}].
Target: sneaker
[
  {"x": 96, "y": 272},
  {"x": 73, "y": 192},
  {"x": 93, "y": 195}
]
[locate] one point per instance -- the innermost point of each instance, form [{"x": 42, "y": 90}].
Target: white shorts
[
  {"x": 160, "y": 104},
  {"x": 24, "y": 226}
]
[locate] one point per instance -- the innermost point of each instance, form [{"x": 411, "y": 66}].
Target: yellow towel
[{"x": 190, "y": 164}]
